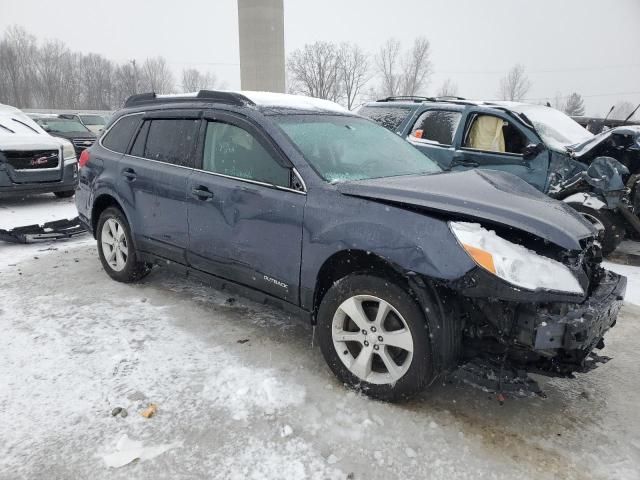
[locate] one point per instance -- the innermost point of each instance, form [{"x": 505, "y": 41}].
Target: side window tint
[
  {"x": 493, "y": 134},
  {"x": 437, "y": 126},
  {"x": 233, "y": 151},
  {"x": 118, "y": 136},
  {"x": 389, "y": 117},
  {"x": 172, "y": 141},
  {"x": 138, "y": 144}
]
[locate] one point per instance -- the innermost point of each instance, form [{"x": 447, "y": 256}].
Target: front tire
[
  {"x": 115, "y": 248},
  {"x": 375, "y": 337},
  {"x": 613, "y": 230},
  {"x": 65, "y": 194}
]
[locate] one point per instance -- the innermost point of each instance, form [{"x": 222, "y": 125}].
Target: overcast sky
[{"x": 587, "y": 46}]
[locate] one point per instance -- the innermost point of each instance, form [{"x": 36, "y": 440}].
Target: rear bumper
[{"x": 68, "y": 182}]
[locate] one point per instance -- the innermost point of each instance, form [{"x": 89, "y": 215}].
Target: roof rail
[
  {"x": 211, "y": 96},
  {"x": 400, "y": 98},
  {"x": 418, "y": 99}
]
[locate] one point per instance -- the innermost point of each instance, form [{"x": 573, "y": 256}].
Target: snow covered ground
[{"x": 241, "y": 393}]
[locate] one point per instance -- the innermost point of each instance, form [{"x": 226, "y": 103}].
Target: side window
[
  {"x": 118, "y": 136},
  {"x": 233, "y": 151},
  {"x": 493, "y": 134},
  {"x": 172, "y": 141},
  {"x": 389, "y": 117},
  {"x": 437, "y": 126},
  {"x": 138, "y": 144}
]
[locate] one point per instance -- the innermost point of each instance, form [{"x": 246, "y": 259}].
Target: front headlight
[
  {"x": 513, "y": 263},
  {"x": 68, "y": 152}
]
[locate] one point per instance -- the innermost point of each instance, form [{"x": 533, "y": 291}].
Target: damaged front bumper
[
  {"x": 564, "y": 335},
  {"x": 548, "y": 333},
  {"x": 56, "y": 230}
]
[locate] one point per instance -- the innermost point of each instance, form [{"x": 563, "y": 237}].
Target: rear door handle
[
  {"x": 129, "y": 174},
  {"x": 202, "y": 193}
]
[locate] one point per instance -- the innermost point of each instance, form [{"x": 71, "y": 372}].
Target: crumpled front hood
[
  {"x": 585, "y": 147},
  {"x": 489, "y": 195}
]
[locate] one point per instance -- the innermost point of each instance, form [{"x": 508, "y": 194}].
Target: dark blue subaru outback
[{"x": 407, "y": 272}]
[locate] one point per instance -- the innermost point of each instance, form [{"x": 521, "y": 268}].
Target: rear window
[
  {"x": 172, "y": 141},
  {"x": 389, "y": 117},
  {"x": 118, "y": 136}
]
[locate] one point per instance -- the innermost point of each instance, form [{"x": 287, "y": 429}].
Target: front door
[
  {"x": 245, "y": 220},
  {"x": 495, "y": 141}
]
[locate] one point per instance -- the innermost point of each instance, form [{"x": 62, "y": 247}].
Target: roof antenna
[
  {"x": 610, "y": 110},
  {"x": 631, "y": 114}
]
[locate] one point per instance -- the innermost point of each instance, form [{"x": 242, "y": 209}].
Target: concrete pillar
[{"x": 261, "y": 29}]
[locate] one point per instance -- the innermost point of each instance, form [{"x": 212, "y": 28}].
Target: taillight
[{"x": 84, "y": 158}]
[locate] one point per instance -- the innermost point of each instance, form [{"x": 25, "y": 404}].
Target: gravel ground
[{"x": 241, "y": 392}]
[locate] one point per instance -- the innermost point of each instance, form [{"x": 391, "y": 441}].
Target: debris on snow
[
  {"x": 116, "y": 411},
  {"x": 286, "y": 431},
  {"x": 128, "y": 450},
  {"x": 150, "y": 411}
]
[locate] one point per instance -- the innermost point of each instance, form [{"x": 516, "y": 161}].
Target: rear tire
[
  {"x": 115, "y": 247},
  {"x": 375, "y": 338},
  {"x": 65, "y": 194},
  {"x": 614, "y": 231}
]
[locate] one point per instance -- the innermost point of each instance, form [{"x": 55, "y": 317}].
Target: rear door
[
  {"x": 433, "y": 133},
  {"x": 163, "y": 154},
  {"x": 496, "y": 141},
  {"x": 245, "y": 219}
]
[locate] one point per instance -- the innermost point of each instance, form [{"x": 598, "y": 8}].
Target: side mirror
[
  {"x": 532, "y": 150},
  {"x": 46, "y": 128}
]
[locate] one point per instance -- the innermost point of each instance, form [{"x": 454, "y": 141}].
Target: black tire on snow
[
  {"x": 134, "y": 270},
  {"x": 421, "y": 370},
  {"x": 614, "y": 231},
  {"x": 65, "y": 194}
]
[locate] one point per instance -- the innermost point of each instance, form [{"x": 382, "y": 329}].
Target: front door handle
[
  {"x": 202, "y": 193},
  {"x": 129, "y": 174}
]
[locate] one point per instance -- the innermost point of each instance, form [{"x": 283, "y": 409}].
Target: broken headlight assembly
[{"x": 513, "y": 263}]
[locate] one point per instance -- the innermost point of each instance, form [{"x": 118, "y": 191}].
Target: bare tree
[
  {"x": 622, "y": 110},
  {"x": 388, "y": 65},
  {"x": 448, "y": 89},
  {"x": 574, "y": 105},
  {"x": 156, "y": 76},
  {"x": 515, "y": 85},
  {"x": 406, "y": 74},
  {"x": 53, "y": 65},
  {"x": 193, "y": 80},
  {"x": 313, "y": 71},
  {"x": 17, "y": 80},
  {"x": 353, "y": 71},
  {"x": 416, "y": 67}
]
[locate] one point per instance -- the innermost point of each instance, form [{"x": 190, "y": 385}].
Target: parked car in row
[
  {"x": 93, "y": 121},
  {"x": 31, "y": 160},
  {"x": 541, "y": 145},
  {"x": 58, "y": 125},
  {"x": 406, "y": 271}
]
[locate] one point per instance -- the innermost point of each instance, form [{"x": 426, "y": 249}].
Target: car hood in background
[
  {"x": 483, "y": 195},
  {"x": 75, "y": 135},
  {"x": 29, "y": 142}
]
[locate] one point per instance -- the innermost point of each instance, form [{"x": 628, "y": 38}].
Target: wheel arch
[
  {"x": 100, "y": 204},
  {"x": 439, "y": 305}
]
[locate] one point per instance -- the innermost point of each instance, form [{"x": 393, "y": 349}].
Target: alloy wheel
[
  {"x": 372, "y": 339},
  {"x": 114, "y": 244}
]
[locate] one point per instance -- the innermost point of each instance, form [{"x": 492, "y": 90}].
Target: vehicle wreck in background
[
  {"x": 406, "y": 272},
  {"x": 541, "y": 145}
]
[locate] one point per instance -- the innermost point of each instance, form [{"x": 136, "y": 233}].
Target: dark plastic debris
[{"x": 56, "y": 230}]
